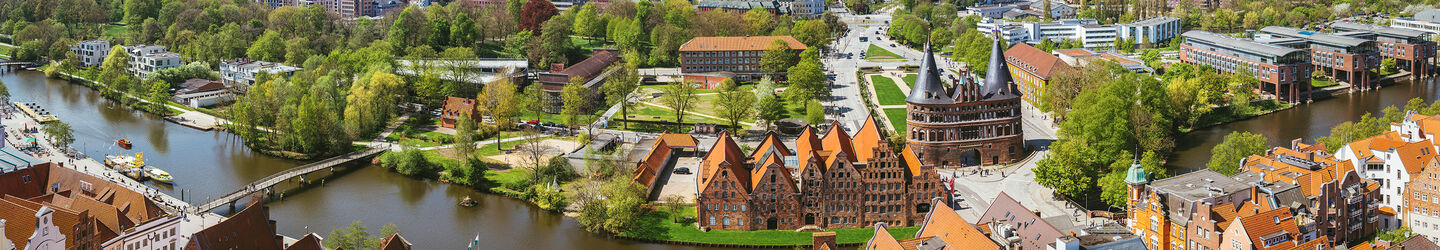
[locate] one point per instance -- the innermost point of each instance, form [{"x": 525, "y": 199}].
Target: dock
[{"x": 30, "y": 109}]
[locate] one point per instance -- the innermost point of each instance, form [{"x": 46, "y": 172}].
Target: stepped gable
[
  {"x": 929, "y": 86},
  {"x": 837, "y": 140},
  {"x": 724, "y": 154},
  {"x": 866, "y": 140},
  {"x": 998, "y": 84}
]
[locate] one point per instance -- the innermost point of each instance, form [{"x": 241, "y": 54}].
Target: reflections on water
[
  {"x": 1304, "y": 121},
  {"x": 209, "y": 164}
]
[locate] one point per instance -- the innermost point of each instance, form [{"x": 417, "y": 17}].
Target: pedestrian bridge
[{"x": 264, "y": 184}]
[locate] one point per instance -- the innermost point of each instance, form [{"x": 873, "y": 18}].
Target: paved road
[{"x": 847, "y": 106}]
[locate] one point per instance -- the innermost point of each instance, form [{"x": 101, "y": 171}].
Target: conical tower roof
[
  {"x": 929, "y": 87},
  {"x": 998, "y": 84}
]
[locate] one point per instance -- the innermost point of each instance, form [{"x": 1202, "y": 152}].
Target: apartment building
[
  {"x": 1032, "y": 69},
  {"x": 1412, "y": 49},
  {"x": 1425, "y": 21},
  {"x": 91, "y": 52},
  {"x": 1422, "y": 210},
  {"x": 1341, "y": 58},
  {"x": 344, "y": 8},
  {"x": 1344, "y": 204},
  {"x": 1283, "y": 72},
  {"x": 735, "y": 54},
  {"x": 145, "y": 59},
  {"x": 1088, "y": 31},
  {"x": 240, "y": 73}
]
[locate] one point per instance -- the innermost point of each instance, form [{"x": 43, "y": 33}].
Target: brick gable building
[{"x": 835, "y": 181}]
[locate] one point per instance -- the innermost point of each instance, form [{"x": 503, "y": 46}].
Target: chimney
[
  {"x": 557, "y": 67},
  {"x": 824, "y": 239}
]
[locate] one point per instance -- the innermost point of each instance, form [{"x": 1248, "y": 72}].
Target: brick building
[
  {"x": 968, "y": 124},
  {"x": 1412, "y": 49},
  {"x": 834, "y": 181},
  {"x": 734, "y": 54},
  {"x": 75, "y": 209},
  {"x": 941, "y": 229},
  {"x": 1323, "y": 179},
  {"x": 1342, "y": 58},
  {"x": 1283, "y": 72},
  {"x": 455, "y": 108},
  {"x": 591, "y": 72},
  {"x": 1032, "y": 69},
  {"x": 251, "y": 228},
  {"x": 1423, "y": 212}
]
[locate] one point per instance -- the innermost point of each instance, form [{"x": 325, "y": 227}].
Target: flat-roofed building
[
  {"x": 92, "y": 52},
  {"x": 735, "y": 54},
  {"x": 1283, "y": 72},
  {"x": 240, "y": 73},
  {"x": 1340, "y": 57},
  {"x": 145, "y": 59},
  {"x": 1412, "y": 49}
]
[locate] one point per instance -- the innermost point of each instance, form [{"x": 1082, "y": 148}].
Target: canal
[
  {"x": 207, "y": 164},
  {"x": 1304, "y": 121}
]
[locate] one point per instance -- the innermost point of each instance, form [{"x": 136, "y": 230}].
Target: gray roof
[
  {"x": 1239, "y": 44},
  {"x": 1315, "y": 37},
  {"x": 1383, "y": 30},
  {"x": 998, "y": 84},
  {"x": 929, "y": 87},
  {"x": 1133, "y": 243},
  {"x": 1432, "y": 15},
  {"x": 1199, "y": 185}
]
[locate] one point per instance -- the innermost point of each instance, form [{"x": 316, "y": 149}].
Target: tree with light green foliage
[
  {"x": 814, "y": 112},
  {"x": 576, "y": 102},
  {"x": 680, "y": 97},
  {"x": 778, "y": 57},
  {"x": 356, "y": 237},
  {"x": 733, "y": 103},
  {"x": 1225, "y": 157},
  {"x": 465, "y": 135}
]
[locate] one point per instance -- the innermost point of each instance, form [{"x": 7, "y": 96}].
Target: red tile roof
[
  {"x": 1271, "y": 224},
  {"x": 866, "y": 140},
  {"x": 395, "y": 242},
  {"x": 943, "y": 222},
  {"x": 251, "y": 228},
  {"x": 1033, "y": 60},
  {"x": 738, "y": 43},
  {"x": 724, "y": 154},
  {"x": 309, "y": 242},
  {"x": 1034, "y": 231}
]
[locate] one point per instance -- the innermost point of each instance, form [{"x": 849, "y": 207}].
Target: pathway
[
  {"x": 697, "y": 114},
  {"x": 486, "y": 142},
  {"x": 188, "y": 118}
]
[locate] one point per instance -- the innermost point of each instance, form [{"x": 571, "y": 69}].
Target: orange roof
[
  {"x": 943, "y": 222},
  {"x": 677, "y": 140},
  {"x": 309, "y": 242},
  {"x": 1386, "y": 211},
  {"x": 911, "y": 162},
  {"x": 1030, "y": 59},
  {"x": 1416, "y": 154},
  {"x": 395, "y": 242},
  {"x": 1269, "y": 223},
  {"x": 882, "y": 240},
  {"x": 741, "y": 43},
  {"x": 771, "y": 143},
  {"x": 867, "y": 140},
  {"x": 1318, "y": 243},
  {"x": 1075, "y": 52},
  {"x": 1361, "y": 148},
  {"x": 653, "y": 163},
  {"x": 724, "y": 154},
  {"x": 808, "y": 143},
  {"x": 836, "y": 139},
  {"x": 760, "y": 171},
  {"x": 1223, "y": 214}
]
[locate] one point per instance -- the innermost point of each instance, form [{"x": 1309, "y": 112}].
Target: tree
[
  {"x": 555, "y": 39},
  {"x": 355, "y": 236},
  {"x": 813, "y": 33},
  {"x": 407, "y": 162},
  {"x": 1387, "y": 65},
  {"x": 516, "y": 44},
  {"x": 770, "y": 109},
  {"x": 807, "y": 82},
  {"x": 576, "y": 99},
  {"x": 733, "y": 103},
  {"x": 778, "y": 57},
  {"x": 59, "y": 132},
  {"x": 534, "y": 100},
  {"x": 679, "y": 97},
  {"x": 1225, "y": 158},
  {"x": 464, "y": 32},
  {"x": 673, "y": 204},
  {"x": 439, "y": 35},
  {"x": 1045, "y": 10},
  {"x": 408, "y": 28},
  {"x": 270, "y": 47},
  {"x": 116, "y": 63},
  {"x": 137, "y": 10},
  {"x": 534, "y": 15},
  {"x": 4, "y": 92},
  {"x": 588, "y": 22},
  {"x": 618, "y": 87},
  {"x": 814, "y": 112},
  {"x": 759, "y": 21},
  {"x": 465, "y": 136},
  {"x": 498, "y": 100}
]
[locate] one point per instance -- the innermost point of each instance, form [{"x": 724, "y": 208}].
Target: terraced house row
[{"x": 831, "y": 181}]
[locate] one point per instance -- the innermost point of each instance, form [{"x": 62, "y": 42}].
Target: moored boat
[
  {"x": 124, "y": 143},
  {"x": 158, "y": 175}
]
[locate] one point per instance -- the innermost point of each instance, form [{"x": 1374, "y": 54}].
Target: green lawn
[
  {"x": 910, "y": 79},
  {"x": 490, "y": 150},
  {"x": 887, "y": 91},
  {"x": 116, "y": 31},
  {"x": 897, "y": 118},
  {"x": 876, "y": 52},
  {"x": 503, "y": 178},
  {"x": 658, "y": 225},
  {"x": 1320, "y": 83}
]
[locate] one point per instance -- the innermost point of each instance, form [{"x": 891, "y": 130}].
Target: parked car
[
  {"x": 681, "y": 170},
  {"x": 532, "y": 122}
]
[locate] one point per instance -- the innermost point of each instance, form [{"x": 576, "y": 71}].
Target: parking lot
[{"x": 681, "y": 184}]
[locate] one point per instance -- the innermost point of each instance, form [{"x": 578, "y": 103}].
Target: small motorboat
[
  {"x": 158, "y": 175},
  {"x": 124, "y": 143}
]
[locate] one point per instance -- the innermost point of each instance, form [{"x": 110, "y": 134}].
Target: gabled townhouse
[
  {"x": 1014, "y": 226},
  {"x": 1275, "y": 229},
  {"x": 1343, "y": 205},
  {"x": 942, "y": 229}
]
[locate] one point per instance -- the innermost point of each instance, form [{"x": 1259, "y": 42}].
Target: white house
[
  {"x": 202, "y": 93},
  {"x": 47, "y": 235},
  {"x": 1391, "y": 159},
  {"x": 240, "y": 73},
  {"x": 149, "y": 58},
  {"x": 92, "y": 52}
]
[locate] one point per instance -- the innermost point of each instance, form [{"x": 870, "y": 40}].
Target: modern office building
[
  {"x": 149, "y": 58},
  {"x": 1078, "y": 58},
  {"x": 1341, "y": 58},
  {"x": 1088, "y": 31},
  {"x": 1283, "y": 72},
  {"x": 1425, "y": 21},
  {"x": 970, "y": 124},
  {"x": 92, "y": 52},
  {"x": 1412, "y": 49},
  {"x": 735, "y": 54},
  {"x": 240, "y": 73}
]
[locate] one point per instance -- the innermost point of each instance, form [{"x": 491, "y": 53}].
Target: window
[{"x": 712, "y": 220}]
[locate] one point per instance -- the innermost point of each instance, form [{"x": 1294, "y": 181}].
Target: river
[
  {"x": 207, "y": 164},
  {"x": 1304, "y": 121}
]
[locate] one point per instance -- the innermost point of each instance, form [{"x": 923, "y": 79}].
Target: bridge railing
[{"x": 287, "y": 174}]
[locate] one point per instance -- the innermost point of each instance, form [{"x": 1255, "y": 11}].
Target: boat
[
  {"x": 125, "y": 144},
  {"x": 134, "y": 173},
  {"x": 158, "y": 175},
  {"x": 119, "y": 162}
]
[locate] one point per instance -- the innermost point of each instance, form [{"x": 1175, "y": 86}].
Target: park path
[{"x": 697, "y": 114}]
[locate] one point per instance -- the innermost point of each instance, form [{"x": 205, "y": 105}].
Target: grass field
[
  {"x": 490, "y": 150},
  {"x": 887, "y": 91},
  {"x": 910, "y": 79},
  {"x": 658, "y": 225},
  {"x": 876, "y": 52},
  {"x": 897, "y": 118},
  {"x": 1319, "y": 83},
  {"x": 116, "y": 31}
]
